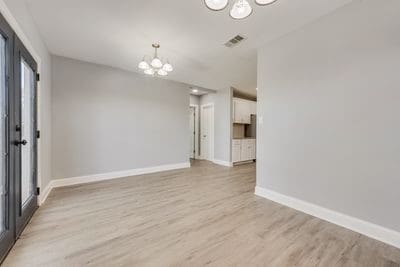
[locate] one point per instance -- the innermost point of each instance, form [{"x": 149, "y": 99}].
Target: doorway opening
[{"x": 201, "y": 121}]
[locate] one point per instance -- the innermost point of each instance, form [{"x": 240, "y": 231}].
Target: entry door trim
[{"x": 7, "y": 238}]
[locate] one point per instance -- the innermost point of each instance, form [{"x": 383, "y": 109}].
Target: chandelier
[
  {"x": 155, "y": 66},
  {"x": 241, "y": 8}
]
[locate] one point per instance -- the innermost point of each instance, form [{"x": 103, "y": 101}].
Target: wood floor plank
[{"x": 205, "y": 215}]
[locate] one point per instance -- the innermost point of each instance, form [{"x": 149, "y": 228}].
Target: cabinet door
[
  {"x": 253, "y": 107},
  {"x": 252, "y": 152},
  {"x": 236, "y": 147},
  {"x": 240, "y": 109},
  {"x": 244, "y": 111},
  {"x": 244, "y": 152},
  {"x": 236, "y": 111}
]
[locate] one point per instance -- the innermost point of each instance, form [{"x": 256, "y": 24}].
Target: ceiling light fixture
[
  {"x": 155, "y": 65},
  {"x": 265, "y": 2},
  {"x": 216, "y": 5},
  {"x": 241, "y": 9},
  {"x": 195, "y": 90}
]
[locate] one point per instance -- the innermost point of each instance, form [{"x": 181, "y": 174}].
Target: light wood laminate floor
[{"x": 205, "y": 215}]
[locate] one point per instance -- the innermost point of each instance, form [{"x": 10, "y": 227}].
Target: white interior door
[
  {"x": 192, "y": 131},
  {"x": 207, "y": 132}
]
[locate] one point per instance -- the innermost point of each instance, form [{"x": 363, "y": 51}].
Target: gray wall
[
  {"x": 20, "y": 12},
  {"x": 223, "y": 125},
  {"x": 222, "y": 101},
  {"x": 208, "y": 99},
  {"x": 107, "y": 120},
  {"x": 330, "y": 101},
  {"x": 194, "y": 99}
]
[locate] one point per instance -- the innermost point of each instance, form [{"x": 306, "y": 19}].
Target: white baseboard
[
  {"x": 374, "y": 231},
  {"x": 242, "y": 162},
  {"x": 118, "y": 174},
  {"x": 223, "y": 163},
  {"x": 107, "y": 176},
  {"x": 45, "y": 193}
]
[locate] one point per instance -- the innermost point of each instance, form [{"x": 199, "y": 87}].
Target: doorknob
[{"x": 22, "y": 142}]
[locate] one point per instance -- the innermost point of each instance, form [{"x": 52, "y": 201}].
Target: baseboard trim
[
  {"x": 115, "y": 175},
  {"x": 223, "y": 163},
  {"x": 374, "y": 231},
  {"x": 242, "y": 162},
  {"x": 45, "y": 193},
  {"x": 107, "y": 176}
]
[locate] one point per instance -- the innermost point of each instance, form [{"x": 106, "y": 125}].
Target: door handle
[{"x": 22, "y": 142}]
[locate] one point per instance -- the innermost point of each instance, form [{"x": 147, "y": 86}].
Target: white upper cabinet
[
  {"x": 242, "y": 110},
  {"x": 253, "y": 107}
]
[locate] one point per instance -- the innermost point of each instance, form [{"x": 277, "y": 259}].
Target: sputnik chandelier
[
  {"x": 241, "y": 8},
  {"x": 155, "y": 66}
]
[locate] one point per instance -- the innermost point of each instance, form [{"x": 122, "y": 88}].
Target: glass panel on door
[
  {"x": 3, "y": 136},
  {"x": 27, "y": 132}
]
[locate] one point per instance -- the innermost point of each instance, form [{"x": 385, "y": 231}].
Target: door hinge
[
  {"x": 37, "y": 134},
  {"x": 38, "y": 190},
  {"x": 38, "y": 77}
]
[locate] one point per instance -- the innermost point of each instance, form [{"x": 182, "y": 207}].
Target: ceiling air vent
[{"x": 235, "y": 40}]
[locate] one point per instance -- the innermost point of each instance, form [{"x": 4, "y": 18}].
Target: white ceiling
[{"x": 119, "y": 32}]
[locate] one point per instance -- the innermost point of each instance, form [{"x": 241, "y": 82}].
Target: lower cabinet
[
  {"x": 236, "y": 150},
  {"x": 243, "y": 150}
]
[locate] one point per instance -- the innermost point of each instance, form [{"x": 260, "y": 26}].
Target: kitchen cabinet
[
  {"x": 243, "y": 150},
  {"x": 253, "y": 108},
  {"x": 247, "y": 149},
  {"x": 242, "y": 110},
  {"x": 236, "y": 150}
]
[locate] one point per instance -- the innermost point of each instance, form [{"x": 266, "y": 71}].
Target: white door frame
[
  {"x": 212, "y": 131},
  {"x": 196, "y": 131}
]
